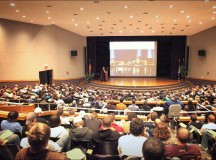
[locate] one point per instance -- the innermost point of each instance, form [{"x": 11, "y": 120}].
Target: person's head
[
  {"x": 54, "y": 121},
  {"x": 211, "y": 118},
  {"x": 121, "y": 100},
  {"x": 136, "y": 126},
  {"x": 157, "y": 122},
  {"x": 154, "y": 116},
  {"x": 30, "y": 118},
  {"x": 193, "y": 117},
  {"x": 60, "y": 112},
  {"x": 131, "y": 115},
  {"x": 153, "y": 149},
  {"x": 38, "y": 136},
  {"x": 133, "y": 101},
  {"x": 38, "y": 111},
  {"x": 106, "y": 122},
  {"x": 183, "y": 135},
  {"x": 12, "y": 116},
  {"x": 72, "y": 111},
  {"x": 94, "y": 115},
  {"x": 78, "y": 122},
  {"x": 112, "y": 116},
  {"x": 162, "y": 132}
]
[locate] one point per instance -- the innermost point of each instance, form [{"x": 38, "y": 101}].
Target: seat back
[
  {"x": 174, "y": 110},
  {"x": 105, "y": 148},
  {"x": 101, "y": 157},
  {"x": 84, "y": 145},
  {"x": 8, "y": 152}
]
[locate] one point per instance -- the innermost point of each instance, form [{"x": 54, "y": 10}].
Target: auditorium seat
[
  {"x": 84, "y": 145},
  {"x": 105, "y": 148},
  {"x": 101, "y": 157},
  {"x": 8, "y": 152}
]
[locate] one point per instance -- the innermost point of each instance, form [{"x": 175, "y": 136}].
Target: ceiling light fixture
[
  {"x": 214, "y": 7},
  {"x": 17, "y": 11},
  {"x": 200, "y": 22},
  {"x": 12, "y": 4},
  {"x": 97, "y": 18},
  {"x": 24, "y": 16},
  {"x": 171, "y": 6},
  {"x": 81, "y": 9},
  {"x": 187, "y": 16},
  {"x": 76, "y": 24},
  {"x": 72, "y": 20},
  {"x": 131, "y": 17},
  {"x": 47, "y": 12},
  {"x": 182, "y": 11},
  {"x": 49, "y": 17},
  {"x": 125, "y": 7}
]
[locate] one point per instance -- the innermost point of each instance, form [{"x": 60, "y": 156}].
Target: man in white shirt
[
  {"x": 131, "y": 145},
  {"x": 133, "y": 106}
]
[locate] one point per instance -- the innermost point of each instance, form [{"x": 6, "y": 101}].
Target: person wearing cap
[
  {"x": 79, "y": 132},
  {"x": 38, "y": 111}
]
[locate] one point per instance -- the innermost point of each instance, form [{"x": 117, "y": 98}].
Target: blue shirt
[{"x": 12, "y": 126}]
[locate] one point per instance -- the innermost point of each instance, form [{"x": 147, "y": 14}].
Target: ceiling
[{"x": 116, "y": 17}]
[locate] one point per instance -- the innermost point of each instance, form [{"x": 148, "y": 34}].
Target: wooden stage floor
[{"x": 138, "y": 81}]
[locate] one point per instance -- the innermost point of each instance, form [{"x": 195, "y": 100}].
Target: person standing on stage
[{"x": 103, "y": 75}]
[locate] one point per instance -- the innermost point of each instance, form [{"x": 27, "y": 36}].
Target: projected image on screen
[{"x": 133, "y": 59}]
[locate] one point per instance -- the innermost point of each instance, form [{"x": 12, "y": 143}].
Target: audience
[
  {"x": 182, "y": 150},
  {"x": 93, "y": 123},
  {"x": 106, "y": 133},
  {"x": 11, "y": 123},
  {"x": 64, "y": 120},
  {"x": 153, "y": 149},
  {"x": 38, "y": 138},
  {"x": 131, "y": 144}
]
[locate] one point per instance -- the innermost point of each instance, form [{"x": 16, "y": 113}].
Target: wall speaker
[
  {"x": 201, "y": 52},
  {"x": 73, "y": 53}
]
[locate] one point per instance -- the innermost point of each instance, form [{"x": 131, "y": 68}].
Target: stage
[{"x": 138, "y": 82}]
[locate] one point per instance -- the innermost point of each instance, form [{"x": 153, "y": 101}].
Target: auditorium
[{"x": 108, "y": 79}]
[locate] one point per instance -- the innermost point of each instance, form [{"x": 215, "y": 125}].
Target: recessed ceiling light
[
  {"x": 12, "y": 4},
  {"x": 49, "y": 17},
  {"x": 131, "y": 17},
  {"x": 174, "y": 20},
  {"x": 187, "y": 16},
  {"x": 125, "y": 7},
  {"x": 88, "y": 22},
  {"x": 157, "y": 16},
  {"x": 182, "y": 11},
  {"x": 158, "y": 20},
  {"x": 76, "y": 24},
  {"x": 47, "y": 12},
  {"x": 120, "y": 31},
  {"x": 53, "y": 22},
  {"x": 213, "y": 18},
  {"x": 171, "y": 6},
  {"x": 24, "y": 16},
  {"x": 200, "y": 22},
  {"x": 131, "y": 31},
  {"x": 72, "y": 20},
  {"x": 153, "y": 31},
  {"x": 213, "y": 7},
  {"x": 97, "y": 18},
  {"x": 17, "y": 11},
  {"x": 142, "y": 31},
  {"x": 214, "y": 12},
  {"x": 32, "y": 21},
  {"x": 189, "y": 21},
  {"x": 81, "y": 9}
]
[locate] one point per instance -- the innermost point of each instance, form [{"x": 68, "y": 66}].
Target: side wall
[
  {"x": 26, "y": 49},
  {"x": 203, "y": 68}
]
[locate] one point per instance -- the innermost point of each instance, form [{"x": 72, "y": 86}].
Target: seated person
[
  {"x": 182, "y": 150},
  {"x": 209, "y": 126},
  {"x": 12, "y": 139},
  {"x": 71, "y": 115},
  {"x": 194, "y": 122},
  {"x": 110, "y": 105},
  {"x": 131, "y": 145},
  {"x": 79, "y": 132},
  {"x": 93, "y": 123},
  {"x": 58, "y": 131},
  {"x": 162, "y": 132},
  {"x": 38, "y": 138},
  {"x": 133, "y": 106},
  {"x": 153, "y": 149},
  {"x": 64, "y": 120},
  {"x": 11, "y": 123},
  {"x": 38, "y": 111},
  {"x": 150, "y": 124},
  {"x": 30, "y": 118},
  {"x": 106, "y": 134},
  {"x": 121, "y": 105},
  {"x": 126, "y": 124}
]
